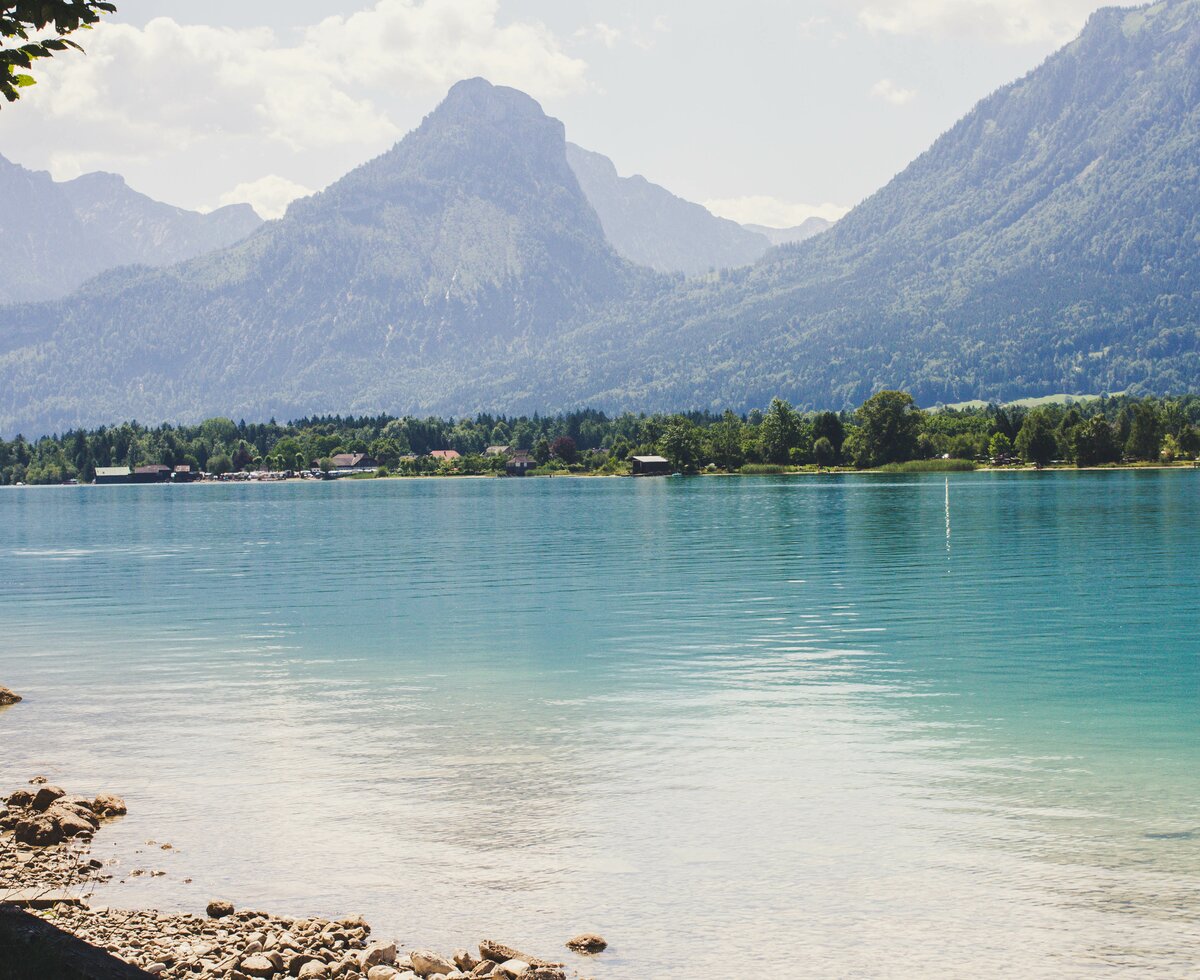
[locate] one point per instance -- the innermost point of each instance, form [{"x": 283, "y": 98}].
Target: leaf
[{"x": 24, "y": 81}]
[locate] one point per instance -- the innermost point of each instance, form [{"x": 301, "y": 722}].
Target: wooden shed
[{"x": 651, "y": 466}]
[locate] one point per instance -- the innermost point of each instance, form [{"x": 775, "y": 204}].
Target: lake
[{"x": 852, "y": 726}]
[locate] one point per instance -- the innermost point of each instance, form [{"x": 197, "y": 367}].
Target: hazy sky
[{"x": 766, "y": 110}]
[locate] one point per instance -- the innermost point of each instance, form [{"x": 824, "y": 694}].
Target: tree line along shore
[{"x": 887, "y": 431}]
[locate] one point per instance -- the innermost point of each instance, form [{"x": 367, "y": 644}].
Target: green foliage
[
  {"x": 1093, "y": 443},
  {"x": 1145, "y": 432},
  {"x": 681, "y": 444},
  {"x": 21, "y": 19},
  {"x": 693, "y": 442},
  {"x": 779, "y": 433},
  {"x": 1036, "y": 442},
  {"x": 888, "y": 425},
  {"x": 930, "y": 466}
]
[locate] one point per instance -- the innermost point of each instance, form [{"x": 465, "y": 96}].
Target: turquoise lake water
[{"x": 857, "y": 726}]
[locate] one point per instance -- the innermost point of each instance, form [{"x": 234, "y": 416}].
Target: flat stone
[
  {"x": 41, "y": 899},
  {"x": 258, "y": 966},
  {"x": 430, "y": 964}
]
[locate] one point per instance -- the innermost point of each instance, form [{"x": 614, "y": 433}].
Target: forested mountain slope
[{"x": 1049, "y": 242}]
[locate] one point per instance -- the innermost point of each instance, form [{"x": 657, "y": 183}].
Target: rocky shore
[
  {"x": 50, "y": 927},
  {"x": 47, "y": 877}
]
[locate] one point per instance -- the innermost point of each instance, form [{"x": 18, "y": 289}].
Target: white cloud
[
  {"x": 169, "y": 95},
  {"x": 890, "y": 92},
  {"x": 432, "y": 44},
  {"x": 601, "y": 33},
  {"x": 771, "y": 211},
  {"x": 1006, "y": 21},
  {"x": 269, "y": 195}
]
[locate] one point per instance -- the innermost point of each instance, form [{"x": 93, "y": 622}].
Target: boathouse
[
  {"x": 113, "y": 474},
  {"x": 651, "y": 466},
  {"x": 152, "y": 474}
]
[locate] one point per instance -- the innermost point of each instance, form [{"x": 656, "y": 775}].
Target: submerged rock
[
  {"x": 107, "y": 805},
  {"x": 8, "y": 697},
  {"x": 587, "y": 943}
]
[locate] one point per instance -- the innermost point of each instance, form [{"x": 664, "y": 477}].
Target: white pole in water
[{"x": 947, "y": 515}]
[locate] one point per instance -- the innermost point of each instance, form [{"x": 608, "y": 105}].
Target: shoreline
[
  {"x": 49, "y": 926},
  {"x": 1187, "y": 466}
]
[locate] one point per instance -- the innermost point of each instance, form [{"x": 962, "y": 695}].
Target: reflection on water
[{"x": 757, "y": 711}]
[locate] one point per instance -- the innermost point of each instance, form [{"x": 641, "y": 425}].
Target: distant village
[{"x": 517, "y": 463}]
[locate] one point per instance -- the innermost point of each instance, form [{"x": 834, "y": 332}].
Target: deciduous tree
[{"x": 24, "y": 26}]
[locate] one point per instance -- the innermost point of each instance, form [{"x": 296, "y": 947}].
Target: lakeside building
[
  {"x": 355, "y": 462},
  {"x": 445, "y": 455},
  {"x": 113, "y": 474},
  {"x": 123, "y": 474},
  {"x": 184, "y": 474},
  {"x": 651, "y": 466},
  {"x": 348, "y": 464},
  {"x": 519, "y": 463},
  {"x": 496, "y": 451},
  {"x": 152, "y": 474}
]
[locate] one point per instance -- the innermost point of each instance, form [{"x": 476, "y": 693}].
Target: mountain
[
  {"x": 809, "y": 228},
  {"x": 466, "y": 245},
  {"x": 1049, "y": 242},
  {"x": 650, "y": 226},
  {"x": 62, "y": 234}
]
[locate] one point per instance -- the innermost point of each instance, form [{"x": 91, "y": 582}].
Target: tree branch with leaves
[{"x": 35, "y": 29}]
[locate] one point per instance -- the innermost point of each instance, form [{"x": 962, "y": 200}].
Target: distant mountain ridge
[
  {"x": 809, "y": 228},
  {"x": 59, "y": 235},
  {"x": 650, "y": 226},
  {"x": 1049, "y": 242}
]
